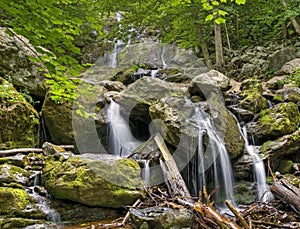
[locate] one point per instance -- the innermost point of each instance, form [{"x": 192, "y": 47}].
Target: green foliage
[
  {"x": 294, "y": 77},
  {"x": 55, "y": 26}
]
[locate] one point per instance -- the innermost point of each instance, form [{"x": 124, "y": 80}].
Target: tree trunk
[
  {"x": 295, "y": 23},
  {"x": 218, "y": 46}
]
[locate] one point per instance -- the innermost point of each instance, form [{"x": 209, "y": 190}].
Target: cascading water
[
  {"x": 215, "y": 156},
  {"x": 121, "y": 142},
  {"x": 43, "y": 202},
  {"x": 117, "y": 47},
  {"x": 146, "y": 172},
  {"x": 263, "y": 191},
  {"x": 163, "y": 57}
]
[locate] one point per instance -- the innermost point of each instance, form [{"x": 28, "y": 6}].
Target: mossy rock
[
  {"x": 285, "y": 166},
  {"x": 19, "y": 120},
  {"x": 16, "y": 202},
  {"x": 19, "y": 160},
  {"x": 253, "y": 101},
  {"x": 95, "y": 180},
  {"x": 12, "y": 175},
  {"x": 18, "y": 223},
  {"x": 275, "y": 122}
]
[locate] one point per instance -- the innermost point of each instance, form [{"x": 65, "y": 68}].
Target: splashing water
[{"x": 263, "y": 191}]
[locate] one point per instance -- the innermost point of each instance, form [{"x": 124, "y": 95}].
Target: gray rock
[
  {"x": 288, "y": 67},
  {"x": 15, "y": 52},
  {"x": 280, "y": 57},
  {"x": 242, "y": 167}
]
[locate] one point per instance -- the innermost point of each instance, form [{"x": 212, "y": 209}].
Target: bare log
[
  {"x": 287, "y": 192},
  {"x": 174, "y": 180},
  {"x": 12, "y": 152}
]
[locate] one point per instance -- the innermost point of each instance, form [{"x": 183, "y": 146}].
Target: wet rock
[
  {"x": 245, "y": 193},
  {"x": 19, "y": 121},
  {"x": 94, "y": 179},
  {"x": 275, "y": 122},
  {"x": 13, "y": 176},
  {"x": 20, "y": 204},
  {"x": 253, "y": 101},
  {"x": 15, "y": 52},
  {"x": 290, "y": 94},
  {"x": 242, "y": 114},
  {"x": 112, "y": 85},
  {"x": 161, "y": 217},
  {"x": 285, "y": 166},
  {"x": 243, "y": 167},
  {"x": 14, "y": 222}
]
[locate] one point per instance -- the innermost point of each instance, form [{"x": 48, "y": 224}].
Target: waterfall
[
  {"x": 215, "y": 156},
  {"x": 120, "y": 140},
  {"x": 117, "y": 47},
  {"x": 154, "y": 73},
  {"x": 163, "y": 58},
  {"x": 146, "y": 172},
  {"x": 43, "y": 202},
  {"x": 263, "y": 191}
]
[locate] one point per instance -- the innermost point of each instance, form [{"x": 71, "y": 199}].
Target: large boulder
[
  {"x": 19, "y": 121},
  {"x": 15, "y": 54},
  {"x": 93, "y": 179},
  {"x": 277, "y": 59},
  {"x": 290, "y": 66},
  {"x": 275, "y": 122},
  {"x": 253, "y": 101}
]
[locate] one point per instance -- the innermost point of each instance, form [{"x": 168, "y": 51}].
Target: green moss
[
  {"x": 253, "y": 101},
  {"x": 265, "y": 147},
  {"x": 18, "y": 222},
  {"x": 277, "y": 98},
  {"x": 285, "y": 166},
  {"x": 18, "y": 200}
]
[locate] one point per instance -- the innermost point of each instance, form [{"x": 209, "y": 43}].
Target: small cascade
[
  {"x": 121, "y": 142},
  {"x": 43, "y": 202},
  {"x": 146, "y": 172},
  {"x": 117, "y": 47},
  {"x": 215, "y": 156},
  {"x": 163, "y": 57},
  {"x": 154, "y": 73},
  {"x": 263, "y": 191}
]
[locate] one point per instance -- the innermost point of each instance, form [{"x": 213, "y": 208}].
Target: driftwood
[
  {"x": 12, "y": 152},
  {"x": 237, "y": 214},
  {"x": 173, "y": 178},
  {"x": 287, "y": 192}
]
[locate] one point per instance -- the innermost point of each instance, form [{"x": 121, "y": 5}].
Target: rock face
[
  {"x": 19, "y": 120},
  {"x": 94, "y": 180},
  {"x": 275, "y": 122},
  {"x": 15, "y": 52}
]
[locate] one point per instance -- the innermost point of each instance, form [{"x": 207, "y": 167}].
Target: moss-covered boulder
[
  {"x": 58, "y": 120},
  {"x": 275, "y": 122},
  {"x": 13, "y": 176},
  {"x": 93, "y": 179},
  {"x": 16, "y": 202},
  {"x": 253, "y": 101},
  {"x": 19, "y": 160},
  {"x": 19, "y": 121},
  {"x": 282, "y": 147}
]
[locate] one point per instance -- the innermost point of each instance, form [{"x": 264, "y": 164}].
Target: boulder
[
  {"x": 13, "y": 176},
  {"x": 253, "y": 101},
  {"x": 275, "y": 122},
  {"x": 58, "y": 121},
  {"x": 280, "y": 57},
  {"x": 18, "y": 204},
  {"x": 290, "y": 66},
  {"x": 93, "y": 179},
  {"x": 161, "y": 217},
  {"x": 19, "y": 160},
  {"x": 290, "y": 94},
  {"x": 15, "y": 54},
  {"x": 209, "y": 79},
  {"x": 243, "y": 167},
  {"x": 19, "y": 120}
]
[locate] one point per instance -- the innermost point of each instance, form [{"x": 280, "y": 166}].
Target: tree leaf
[{"x": 209, "y": 17}]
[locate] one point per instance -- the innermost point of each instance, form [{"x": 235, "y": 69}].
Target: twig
[
  {"x": 126, "y": 217},
  {"x": 237, "y": 214}
]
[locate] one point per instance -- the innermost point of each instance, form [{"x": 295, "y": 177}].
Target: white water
[
  {"x": 117, "y": 47},
  {"x": 154, "y": 73},
  {"x": 263, "y": 191},
  {"x": 163, "y": 58},
  {"x": 215, "y": 157},
  {"x": 43, "y": 202},
  {"x": 146, "y": 172},
  {"x": 121, "y": 142}
]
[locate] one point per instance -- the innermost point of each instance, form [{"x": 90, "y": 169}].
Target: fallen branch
[
  {"x": 287, "y": 192},
  {"x": 237, "y": 214},
  {"x": 12, "y": 152}
]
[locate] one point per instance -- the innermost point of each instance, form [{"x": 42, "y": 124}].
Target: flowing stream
[{"x": 263, "y": 191}]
